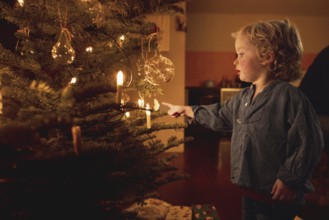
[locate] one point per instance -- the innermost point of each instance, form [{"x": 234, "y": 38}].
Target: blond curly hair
[{"x": 282, "y": 39}]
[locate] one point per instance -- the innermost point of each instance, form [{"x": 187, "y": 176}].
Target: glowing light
[
  {"x": 120, "y": 78},
  {"x": 156, "y": 105},
  {"x": 21, "y": 2},
  {"x": 89, "y": 49},
  {"x": 73, "y": 80},
  {"x": 141, "y": 103}
]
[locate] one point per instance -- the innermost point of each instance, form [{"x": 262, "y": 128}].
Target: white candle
[
  {"x": 148, "y": 116},
  {"x": 119, "y": 86}
]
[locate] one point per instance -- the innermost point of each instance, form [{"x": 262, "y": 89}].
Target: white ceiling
[{"x": 282, "y": 7}]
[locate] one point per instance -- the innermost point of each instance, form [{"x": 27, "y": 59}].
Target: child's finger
[{"x": 167, "y": 104}]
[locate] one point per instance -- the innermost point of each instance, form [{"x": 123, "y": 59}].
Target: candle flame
[
  {"x": 120, "y": 78},
  {"x": 21, "y": 2},
  {"x": 141, "y": 103}
]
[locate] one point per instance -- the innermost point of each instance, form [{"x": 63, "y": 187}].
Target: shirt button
[
  {"x": 238, "y": 120},
  {"x": 246, "y": 104}
]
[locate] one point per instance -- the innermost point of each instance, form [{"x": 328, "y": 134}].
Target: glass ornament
[
  {"x": 141, "y": 61},
  {"x": 124, "y": 98},
  {"x": 63, "y": 52},
  {"x": 159, "y": 69},
  {"x": 124, "y": 66},
  {"x": 140, "y": 65},
  {"x": 95, "y": 10},
  {"x": 122, "y": 40},
  {"x": 24, "y": 47}
]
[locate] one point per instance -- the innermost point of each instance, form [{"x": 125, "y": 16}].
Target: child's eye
[{"x": 240, "y": 54}]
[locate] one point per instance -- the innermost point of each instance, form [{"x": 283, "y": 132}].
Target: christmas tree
[{"x": 72, "y": 142}]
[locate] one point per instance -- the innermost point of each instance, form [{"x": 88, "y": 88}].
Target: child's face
[{"x": 247, "y": 62}]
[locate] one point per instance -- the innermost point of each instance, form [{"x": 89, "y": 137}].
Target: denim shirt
[{"x": 275, "y": 135}]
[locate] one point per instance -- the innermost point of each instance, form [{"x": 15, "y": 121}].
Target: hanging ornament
[
  {"x": 95, "y": 10},
  {"x": 141, "y": 61},
  {"x": 24, "y": 46},
  {"x": 124, "y": 66},
  {"x": 158, "y": 69},
  {"x": 122, "y": 40},
  {"x": 62, "y": 52},
  {"x": 124, "y": 98},
  {"x": 140, "y": 65}
]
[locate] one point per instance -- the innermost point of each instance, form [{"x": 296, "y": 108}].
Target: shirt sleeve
[
  {"x": 214, "y": 117},
  {"x": 304, "y": 148}
]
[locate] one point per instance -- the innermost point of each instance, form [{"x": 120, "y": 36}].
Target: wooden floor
[{"x": 207, "y": 160}]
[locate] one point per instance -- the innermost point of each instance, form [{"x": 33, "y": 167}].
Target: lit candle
[
  {"x": 141, "y": 103},
  {"x": 119, "y": 86},
  {"x": 69, "y": 86},
  {"x": 21, "y": 2},
  {"x": 148, "y": 116}
]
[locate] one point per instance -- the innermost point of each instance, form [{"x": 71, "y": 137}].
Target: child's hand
[
  {"x": 282, "y": 192},
  {"x": 174, "y": 110}
]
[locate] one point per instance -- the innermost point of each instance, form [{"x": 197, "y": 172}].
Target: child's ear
[{"x": 269, "y": 58}]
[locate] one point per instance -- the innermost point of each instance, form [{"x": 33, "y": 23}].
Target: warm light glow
[
  {"x": 121, "y": 40},
  {"x": 156, "y": 105},
  {"x": 21, "y": 2},
  {"x": 89, "y": 49},
  {"x": 73, "y": 80},
  {"x": 120, "y": 78},
  {"x": 141, "y": 103},
  {"x": 127, "y": 114},
  {"x": 148, "y": 108}
]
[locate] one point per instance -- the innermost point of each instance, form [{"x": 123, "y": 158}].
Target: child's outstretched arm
[{"x": 178, "y": 110}]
